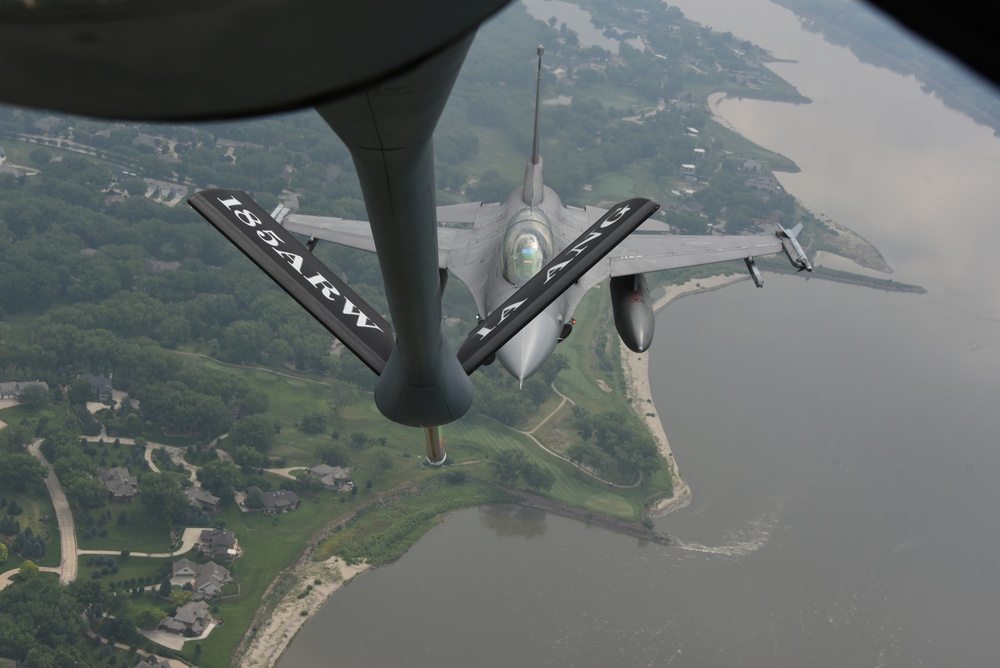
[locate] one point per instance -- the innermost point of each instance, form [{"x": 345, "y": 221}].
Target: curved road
[{"x": 67, "y": 531}]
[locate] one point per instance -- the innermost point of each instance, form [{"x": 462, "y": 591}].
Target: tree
[
  {"x": 383, "y": 459},
  {"x": 80, "y": 391},
  {"x": 3, "y": 554},
  {"x": 537, "y": 477},
  {"x": 254, "y": 500},
  {"x": 148, "y": 618},
  {"x": 92, "y": 596},
  {"x": 179, "y": 597},
  {"x": 163, "y": 499},
  {"x": 41, "y": 624},
  {"x": 21, "y": 471},
  {"x": 164, "y": 591},
  {"x": 249, "y": 459},
  {"x": 220, "y": 478},
  {"x": 507, "y": 465},
  {"x": 556, "y": 363},
  {"x": 86, "y": 492},
  {"x": 313, "y": 423},
  {"x": 34, "y": 395},
  {"x": 254, "y": 401},
  {"x": 40, "y": 156},
  {"x": 332, "y": 454},
  {"x": 14, "y": 438},
  {"x": 255, "y": 431},
  {"x": 28, "y": 570}
]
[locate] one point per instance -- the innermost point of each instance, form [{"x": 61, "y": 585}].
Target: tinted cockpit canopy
[{"x": 527, "y": 246}]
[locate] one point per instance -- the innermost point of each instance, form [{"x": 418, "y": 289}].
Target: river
[{"x": 841, "y": 442}]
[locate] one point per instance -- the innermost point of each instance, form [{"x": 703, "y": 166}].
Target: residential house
[
  {"x": 13, "y": 389},
  {"x": 202, "y": 498},
  {"x": 333, "y": 477},
  {"x": 280, "y": 501},
  {"x": 206, "y": 580},
  {"x": 121, "y": 484},
  {"x": 191, "y": 619},
  {"x": 101, "y": 385},
  {"x": 152, "y": 661},
  {"x": 220, "y": 544}
]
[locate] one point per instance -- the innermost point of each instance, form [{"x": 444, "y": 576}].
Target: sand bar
[{"x": 287, "y": 620}]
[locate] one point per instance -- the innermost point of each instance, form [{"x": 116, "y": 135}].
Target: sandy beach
[
  {"x": 636, "y": 368},
  {"x": 287, "y": 619}
]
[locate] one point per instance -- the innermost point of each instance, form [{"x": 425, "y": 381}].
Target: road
[{"x": 67, "y": 532}]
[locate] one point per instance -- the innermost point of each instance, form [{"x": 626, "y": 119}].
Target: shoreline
[
  {"x": 285, "y": 622},
  {"x": 635, "y": 366}
]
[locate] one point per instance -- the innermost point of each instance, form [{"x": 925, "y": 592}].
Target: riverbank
[
  {"x": 292, "y": 612},
  {"x": 636, "y": 369}
]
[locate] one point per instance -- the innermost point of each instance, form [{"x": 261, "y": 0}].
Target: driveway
[{"x": 188, "y": 541}]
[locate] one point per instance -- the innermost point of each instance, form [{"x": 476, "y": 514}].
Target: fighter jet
[{"x": 495, "y": 249}]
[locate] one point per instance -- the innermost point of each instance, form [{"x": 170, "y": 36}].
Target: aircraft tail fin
[
  {"x": 299, "y": 273},
  {"x": 533, "y": 191},
  {"x": 555, "y": 278}
]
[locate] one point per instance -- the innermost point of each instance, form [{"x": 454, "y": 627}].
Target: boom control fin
[{"x": 299, "y": 273}]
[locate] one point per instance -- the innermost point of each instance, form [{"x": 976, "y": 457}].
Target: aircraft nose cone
[{"x": 528, "y": 350}]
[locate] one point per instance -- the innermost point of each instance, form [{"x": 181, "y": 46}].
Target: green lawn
[{"x": 38, "y": 514}]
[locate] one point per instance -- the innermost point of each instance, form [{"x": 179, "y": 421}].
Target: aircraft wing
[
  {"x": 641, "y": 253},
  {"x": 358, "y": 233},
  {"x": 647, "y": 251}
]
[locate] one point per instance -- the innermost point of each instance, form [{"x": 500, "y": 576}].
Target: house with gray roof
[
  {"x": 333, "y": 477},
  {"x": 101, "y": 385},
  {"x": 203, "y": 499},
  {"x": 280, "y": 501},
  {"x": 152, "y": 662},
  {"x": 206, "y": 580},
  {"x": 14, "y": 389},
  {"x": 191, "y": 619},
  {"x": 121, "y": 484},
  {"x": 220, "y": 544}
]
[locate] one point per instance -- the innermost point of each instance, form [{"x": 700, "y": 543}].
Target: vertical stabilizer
[{"x": 533, "y": 186}]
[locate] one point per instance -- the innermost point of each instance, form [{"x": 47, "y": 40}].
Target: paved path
[
  {"x": 286, "y": 473},
  {"x": 172, "y": 641},
  {"x": 64, "y": 516},
  {"x": 188, "y": 541}
]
